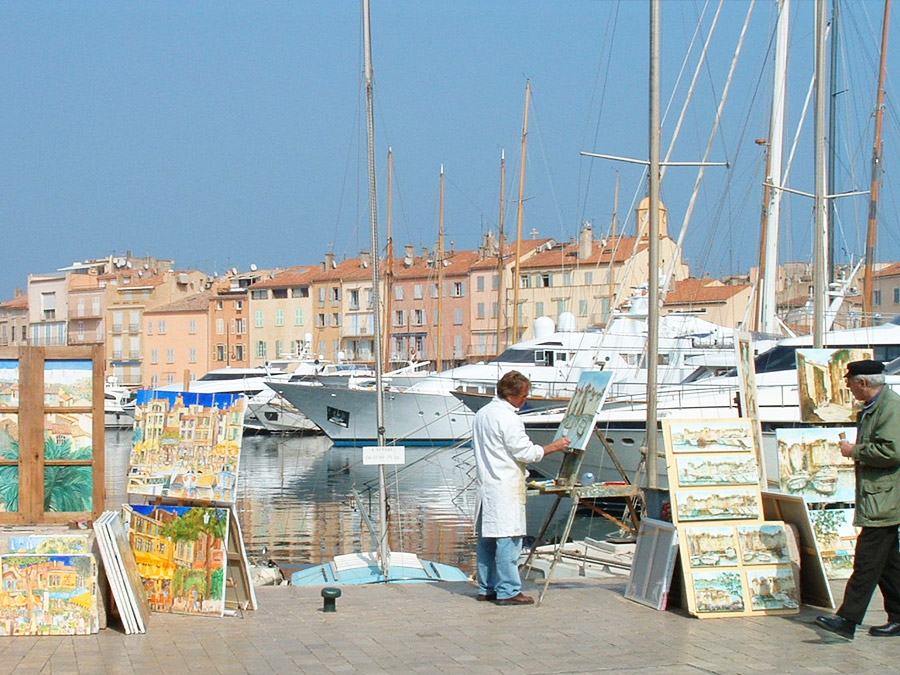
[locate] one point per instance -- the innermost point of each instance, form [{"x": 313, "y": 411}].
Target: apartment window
[
  {"x": 419, "y": 317},
  {"x": 170, "y": 355},
  {"x": 400, "y": 317},
  {"x": 239, "y": 352},
  {"x": 154, "y": 356},
  {"x": 154, "y": 381},
  {"x": 117, "y": 347},
  {"x": 170, "y": 378},
  {"x": 117, "y": 322},
  {"x": 567, "y": 278},
  {"x": 149, "y": 328},
  {"x": 162, "y": 326},
  {"x": 80, "y": 306},
  {"x": 320, "y": 320},
  {"x": 457, "y": 317},
  {"x": 335, "y": 294},
  {"x": 354, "y": 298},
  {"x": 398, "y": 292},
  {"x": 48, "y": 305},
  {"x": 259, "y": 318},
  {"x": 192, "y": 355},
  {"x": 560, "y": 307},
  {"x": 192, "y": 326},
  {"x": 524, "y": 281},
  {"x": 260, "y": 349},
  {"x": 135, "y": 348},
  {"x": 219, "y": 305},
  {"x": 134, "y": 321},
  {"x": 259, "y": 295},
  {"x": 95, "y": 306},
  {"x": 302, "y": 292},
  {"x": 220, "y": 352},
  {"x": 298, "y": 316},
  {"x": 458, "y": 289},
  {"x": 220, "y": 326},
  {"x": 896, "y": 295},
  {"x": 495, "y": 282},
  {"x": 479, "y": 283},
  {"x": 279, "y": 293},
  {"x": 457, "y": 346},
  {"x": 239, "y": 306},
  {"x": 279, "y": 317},
  {"x": 495, "y": 308},
  {"x": 322, "y": 296},
  {"x": 538, "y": 309},
  {"x": 546, "y": 280},
  {"x": 876, "y": 297},
  {"x": 240, "y": 326},
  {"x": 335, "y": 319},
  {"x": 417, "y": 291},
  {"x": 479, "y": 310},
  {"x": 277, "y": 348},
  {"x": 434, "y": 290},
  {"x": 79, "y": 330},
  {"x": 588, "y": 278},
  {"x": 582, "y": 308}
]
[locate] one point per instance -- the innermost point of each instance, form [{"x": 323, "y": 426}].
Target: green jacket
[{"x": 877, "y": 455}]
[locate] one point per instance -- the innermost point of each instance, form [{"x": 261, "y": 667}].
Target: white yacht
[{"x": 118, "y": 406}]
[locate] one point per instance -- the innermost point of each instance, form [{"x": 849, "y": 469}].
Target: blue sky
[{"x": 222, "y": 134}]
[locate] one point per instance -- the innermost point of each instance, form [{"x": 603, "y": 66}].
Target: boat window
[
  {"x": 561, "y": 356},
  {"x": 338, "y": 416},
  {"x": 781, "y": 357},
  {"x": 517, "y": 356},
  {"x": 543, "y": 358}
]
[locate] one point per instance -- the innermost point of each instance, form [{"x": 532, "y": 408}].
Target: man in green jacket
[{"x": 877, "y": 456}]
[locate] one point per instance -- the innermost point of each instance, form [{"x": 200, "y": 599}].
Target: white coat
[{"x": 502, "y": 449}]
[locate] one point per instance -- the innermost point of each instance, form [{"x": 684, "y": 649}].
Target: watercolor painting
[
  {"x": 695, "y": 436},
  {"x": 68, "y": 383},
  {"x": 773, "y": 588},
  {"x": 723, "y": 504},
  {"x": 718, "y": 591},
  {"x": 181, "y": 556},
  {"x": 9, "y": 382},
  {"x": 810, "y": 464},
  {"x": 711, "y": 546},
  {"x": 48, "y": 595},
  {"x": 730, "y": 469},
  {"x": 9, "y": 455},
  {"x": 823, "y": 392},
  {"x": 836, "y": 535},
  {"x": 68, "y": 487},
  {"x": 578, "y": 422},
  {"x": 186, "y": 445},
  {"x": 49, "y": 544},
  {"x": 765, "y": 543}
]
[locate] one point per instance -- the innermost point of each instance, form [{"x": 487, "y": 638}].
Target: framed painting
[
  {"x": 716, "y": 592},
  {"x": 810, "y": 464},
  {"x": 579, "y": 419},
  {"x": 708, "y": 546},
  {"x": 764, "y": 544},
  {"x": 822, "y": 391},
  {"x": 717, "y": 504},
  {"x": 724, "y": 469},
  {"x": 836, "y": 535},
  {"x": 708, "y": 436},
  {"x": 773, "y": 589}
]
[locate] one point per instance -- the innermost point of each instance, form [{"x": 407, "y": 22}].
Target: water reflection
[{"x": 295, "y": 499}]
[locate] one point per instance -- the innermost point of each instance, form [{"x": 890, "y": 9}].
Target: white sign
[{"x": 384, "y": 454}]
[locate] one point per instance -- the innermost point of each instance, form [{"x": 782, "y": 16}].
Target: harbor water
[{"x": 297, "y": 504}]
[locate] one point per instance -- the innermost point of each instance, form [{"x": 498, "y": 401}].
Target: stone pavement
[{"x": 583, "y": 626}]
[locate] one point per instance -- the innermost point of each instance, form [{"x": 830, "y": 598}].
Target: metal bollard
[{"x": 330, "y": 594}]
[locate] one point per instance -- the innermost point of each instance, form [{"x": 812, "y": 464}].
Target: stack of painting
[
  {"x": 734, "y": 563},
  {"x": 122, "y": 572},
  {"x": 49, "y": 586}
]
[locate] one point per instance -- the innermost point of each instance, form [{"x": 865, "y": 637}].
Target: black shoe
[
  {"x": 837, "y": 624},
  {"x": 889, "y": 629},
  {"x": 486, "y": 597}
]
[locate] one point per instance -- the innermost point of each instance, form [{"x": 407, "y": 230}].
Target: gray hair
[{"x": 874, "y": 380}]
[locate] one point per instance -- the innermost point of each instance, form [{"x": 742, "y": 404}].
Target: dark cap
[{"x": 866, "y": 367}]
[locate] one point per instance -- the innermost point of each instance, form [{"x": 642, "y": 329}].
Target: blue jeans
[{"x": 498, "y": 565}]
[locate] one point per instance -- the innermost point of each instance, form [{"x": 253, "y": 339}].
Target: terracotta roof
[
  {"x": 301, "y": 275},
  {"x": 192, "y": 303},
  {"x": 346, "y": 270},
  {"x": 15, "y": 303},
  {"x": 509, "y": 251},
  {"x": 615, "y": 250},
  {"x": 889, "y": 271},
  {"x": 458, "y": 263},
  {"x": 700, "y": 291}
]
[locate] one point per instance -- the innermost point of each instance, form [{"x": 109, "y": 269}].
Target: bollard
[{"x": 330, "y": 594}]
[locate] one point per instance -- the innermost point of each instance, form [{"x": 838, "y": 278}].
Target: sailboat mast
[
  {"x": 876, "y": 171},
  {"x": 501, "y": 300},
  {"x": 383, "y": 551},
  {"x": 439, "y": 261},
  {"x": 520, "y": 214},
  {"x": 653, "y": 250},
  {"x": 820, "y": 238},
  {"x": 389, "y": 271}
]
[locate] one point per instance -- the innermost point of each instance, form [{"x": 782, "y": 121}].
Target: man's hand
[
  {"x": 559, "y": 444},
  {"x": 846, "y": 448}
]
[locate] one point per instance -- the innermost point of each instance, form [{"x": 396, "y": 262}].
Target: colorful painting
[
  {"x": 48, "y": 595},
  {"x": 694, "y": 436},
  {"x": 810, "y": 464},
  {"x": 186, "y": 446},
  {"x": 718, "y": 591},
  {"x": 730, "y": 469},
  {"x": 181, "y": 556},
  {"x": 764, "y": 544},
  {"x": 717, "y": 504},
  {"x": 68, "y": 383},
  {"x": 773, "y": 588},
  {"x": 823, "y": 392},
  {"x": 49, "y": 544},
  {"x": 9, "y": 383},
  {"x": 578, "y": 422},
  {"x": 9, "y": 455},
  {"x": 836, "y": 535},
  {"x": 711, "y": 546}
]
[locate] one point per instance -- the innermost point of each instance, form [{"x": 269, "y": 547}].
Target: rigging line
[
  {"x": 712, "y": 136},
  {"x": 540, "y": 139}
]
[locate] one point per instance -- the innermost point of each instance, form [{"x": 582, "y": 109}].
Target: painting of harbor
[
  {"x": 763, "y": 544},
  {"x": 46, "y": 544},
  {"x": 717, "y": 504},
  {"x": 48, "y": 595},
  {"x": 578, "y": 422},
  {"x": 180, "y": 555},
  {"x": 727, "y": 435},
  {"x": 810, "y": 464},
  {"x": 186, "y": 446},
  {"x": 711, "y": 546},
  {"x": 718, "y": 592},
  {"x": 68, "y": 383},
  {"x": 823, "y": 392},
  {"x": 836, "y": 536},
  {"x": 731, "y": 469},
  {"x": 773, "y": 588}
]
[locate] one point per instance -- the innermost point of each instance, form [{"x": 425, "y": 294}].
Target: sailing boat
[{"x": 381, "y": 565}]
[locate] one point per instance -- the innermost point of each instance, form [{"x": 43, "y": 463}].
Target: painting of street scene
[
  {"x": 764, "y": 544},
  {"x": 46, "y": 544},
  {"x": 731, "y": 469},
  {"x": 9, "y": 382},
  {"x": 578, "y": 422},
  {"x": 180, "y": 555},
  {"x": 711, "y": 546},
  {"x": 186, "y": 445},
  {"x": 68, "y": 487},
  {"x": 9, "y": 452},
  {"x": 718, "y": 592},
  {"x": 810, "y": 464},
  {"x": 68, "y": 383},
  {"x": 48, "y": 595},
  {"x": 717, "y": 504},
  {"x": 823, "y": 392},
  {"x": 727, "y": 435},
  {"x": 773, "y": 589},
  {"x": 836, "y": 536}
]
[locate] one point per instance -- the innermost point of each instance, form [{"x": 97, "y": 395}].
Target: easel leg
[
  {"x": 557, "y": 554},
  {"x": 540, "y": 537}
]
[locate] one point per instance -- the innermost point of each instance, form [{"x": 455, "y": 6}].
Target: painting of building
[
  {"x": 717, "y": 504},
  {"x": 734, "y": 469},
  {"x": 693, "y": 436},
  {"x": 711, "y": 546},
  {"x": 824, "y": 395},
  {"x": 810, "y": 464},
  {"x": 181, "y": 556},
  {"x": 763, "y": 544},
  {"x": 773, "y": 589},
  {"x": 186, "y": 445},
  {"x": 718, "y": 592}
]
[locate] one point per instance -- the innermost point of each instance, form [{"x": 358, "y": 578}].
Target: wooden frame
[{"x": 32, "y": 410}]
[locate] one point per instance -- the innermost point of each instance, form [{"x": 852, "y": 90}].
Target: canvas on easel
[{"x": 578, "y": 422}]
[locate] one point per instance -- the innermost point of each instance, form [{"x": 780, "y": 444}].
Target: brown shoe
[
  {"x": 486, "y": 597},
  {"x": 520, "y": 599}
]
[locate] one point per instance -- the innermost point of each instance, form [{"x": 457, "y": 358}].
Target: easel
[{"x": 565, "y": 486}]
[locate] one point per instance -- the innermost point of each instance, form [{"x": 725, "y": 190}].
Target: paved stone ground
[{"x": 582, "y": 626}]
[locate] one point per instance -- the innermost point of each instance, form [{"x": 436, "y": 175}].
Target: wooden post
[{"x": 187, "y": 379}]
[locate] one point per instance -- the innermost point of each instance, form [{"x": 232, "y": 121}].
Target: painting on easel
[{"x": 578, "y": 422}]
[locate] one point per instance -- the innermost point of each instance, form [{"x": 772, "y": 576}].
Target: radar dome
[
  {"x": 543, "y": 327},
  {"x": 567, "y": 322}
]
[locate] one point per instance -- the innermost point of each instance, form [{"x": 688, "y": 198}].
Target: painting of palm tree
[{"x": 67, "y": 488}]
